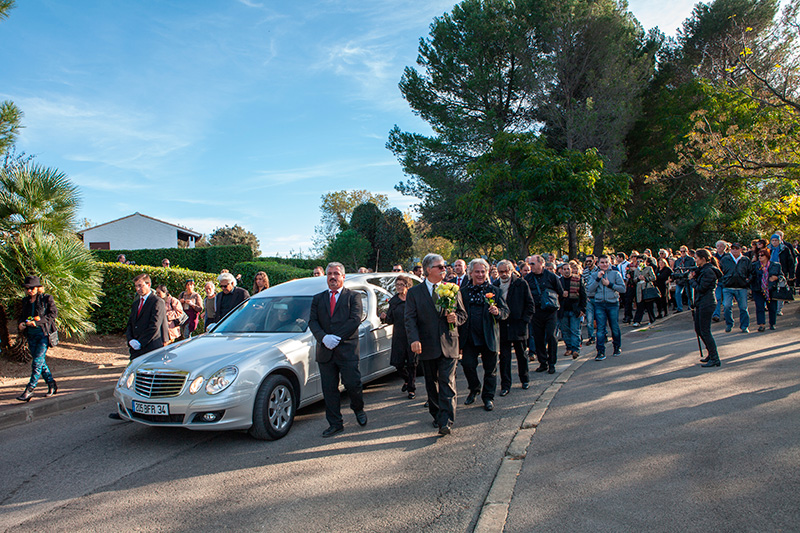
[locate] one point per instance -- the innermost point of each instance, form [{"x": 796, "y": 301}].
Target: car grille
[
  {"x": 159, "y": 384},
  {"x": 164, "y": 419}
]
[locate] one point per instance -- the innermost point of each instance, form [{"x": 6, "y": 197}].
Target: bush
[
  {"x": 277, "y": 272},
  {"x": 111, "y": 316},
  {"x": 206, "y": 259},
  {"x": 307, "y": 264}
]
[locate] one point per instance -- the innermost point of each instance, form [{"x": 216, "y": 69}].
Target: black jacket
[
  {"x": 44, "y": 307},
  {"x": 343, "y": 323},
  {"x": 756, "y": 273},
  {"x": 735, "y": 275},
  {"x": 704, "y": 284},
  {"x": 401, "y": 349},
  {"x": 427, "y": 325},
  {"x": 520, "y": 311},
  {"x": 490, "y": 324},
  {"x": 539, "y": 284},
  {"x": 567, "y": 304}
]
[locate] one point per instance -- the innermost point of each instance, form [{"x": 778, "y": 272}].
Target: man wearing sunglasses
[{"x": 230, "y": 297}]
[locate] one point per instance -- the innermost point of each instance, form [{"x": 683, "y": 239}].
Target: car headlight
[
  {"x": 196, "y": 384},
  {"x": 221, "y": 380},
  {"x": 130, "y": 380},
  {"x": 127, "y": 378}
]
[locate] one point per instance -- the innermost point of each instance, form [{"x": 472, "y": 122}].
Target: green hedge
[
  {"x": 277, "y": 272},
  {"x": 306, "y": 264},
  {"x": 111, "y": 316},
  {"x": 205, "y": 259}
]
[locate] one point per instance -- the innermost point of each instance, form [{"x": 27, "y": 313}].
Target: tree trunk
[
  {"x": 572, "y": 239},
  {"x": 599, "y": 238},
  {"x": 5, "y": 339}
]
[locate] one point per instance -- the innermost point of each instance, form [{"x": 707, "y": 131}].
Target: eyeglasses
[
  {"x": 397, "y": 270},
  {"x": 223, "y": 285},
  {"x": 440, "y": 267}
]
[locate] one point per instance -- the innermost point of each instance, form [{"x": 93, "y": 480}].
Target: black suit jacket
[
  {"x": 426, "y": 324},
  {"x": 344, "y": 323},
  {"x": 147, "y": 326},
  {"x": 491, "y": 323},
  {"x": 520, "y": 305},
  {"x": 464, "y": 280}
]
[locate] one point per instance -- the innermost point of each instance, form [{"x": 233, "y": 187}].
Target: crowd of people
[{"x": 503, "y": 307}]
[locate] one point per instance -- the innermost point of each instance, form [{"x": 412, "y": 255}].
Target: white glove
[
  {"x": 134, "y": 344},
  {"x": 331, "y": 341}
]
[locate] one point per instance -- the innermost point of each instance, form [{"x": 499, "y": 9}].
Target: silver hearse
[{"x": 256, "y": 367}]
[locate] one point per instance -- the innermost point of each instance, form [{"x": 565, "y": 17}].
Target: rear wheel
[{"x": 273, "y": 412}]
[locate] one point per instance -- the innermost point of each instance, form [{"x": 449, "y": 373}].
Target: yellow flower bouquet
[{"x": 446, "y": 302}]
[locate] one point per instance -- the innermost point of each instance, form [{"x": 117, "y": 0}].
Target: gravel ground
[{"x": 70, "y": 356}]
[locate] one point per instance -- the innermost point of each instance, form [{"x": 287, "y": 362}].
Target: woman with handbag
[
  {"x": 646, "y": 292},
  {"x": 174, "y": 312},
  {"x": 663, "y": 274},
  {"x": 764, "y": 278},
  {"x": 192, "y": 304},
  {"x": 704, "y": 282},
  {"x": 37, "y": 319}
]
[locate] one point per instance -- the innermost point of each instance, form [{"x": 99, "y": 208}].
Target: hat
[
  {"x": 736, "y": 245},
  {"x": 190, "y": 280},
  {"x": 31, "y": 282},
  {"x": 775, "y": 236}
]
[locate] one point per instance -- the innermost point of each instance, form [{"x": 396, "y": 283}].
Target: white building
[{"x": 137, "y": 232}]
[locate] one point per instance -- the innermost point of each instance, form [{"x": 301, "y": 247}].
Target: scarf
[
  {"x": 765, "y": 281},
  {"x": 504, "y": 285},
  {"x": 477, "y": 292},
  {"x": 574, "y": 288},
  {"x": 776, "y": 253}
]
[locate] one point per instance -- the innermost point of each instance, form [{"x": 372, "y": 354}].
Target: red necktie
[
  {"x": 141, "y": 303},
  {"x": 333, "y": 301}
]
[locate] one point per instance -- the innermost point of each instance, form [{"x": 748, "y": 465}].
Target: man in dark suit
[
  {"x": 459, "y": 276},
  {"x": 148, "y": 314},
  {"x": 146, "y": 323},
  {"x": 230, "y": 297},
  {"x": 335, "y": 317},
  {"x": 429, "y": 333}
]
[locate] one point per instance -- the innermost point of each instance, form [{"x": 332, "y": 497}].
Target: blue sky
[{"x": 206, "y": 113}]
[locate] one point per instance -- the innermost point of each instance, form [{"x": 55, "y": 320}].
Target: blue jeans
[
  {"x": 718, "y": 295},
  {"x": 571, "y": 330},
  {"x": 590, "y": 318},
  {"x": 607, "y": 313},
  {"x": 727, "y": 303},
  {"x": 679, "y": 295},
  {"x": 37, "y": 344},
  {"x": 763, "y": 306}
]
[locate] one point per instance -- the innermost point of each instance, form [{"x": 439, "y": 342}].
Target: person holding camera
[
  {"x": 704, "y": 283},
  {"x": 603, "y": 289}
]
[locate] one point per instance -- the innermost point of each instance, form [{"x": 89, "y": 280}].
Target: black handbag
[
  {"x": 548, "y": 300},
  {"x": 783, "y": 291},
  {"x": 650, "y": 293}
]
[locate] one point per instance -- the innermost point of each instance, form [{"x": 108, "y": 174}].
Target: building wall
[{"x": 133, "y": 233}]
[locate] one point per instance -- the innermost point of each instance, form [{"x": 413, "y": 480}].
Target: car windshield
[{"x": 281, "y": 314}]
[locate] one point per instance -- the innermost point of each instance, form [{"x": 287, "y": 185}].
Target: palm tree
[{"x": 38, "y": 208}]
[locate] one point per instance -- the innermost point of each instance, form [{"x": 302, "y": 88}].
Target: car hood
[{"x": 218, "y": 350}]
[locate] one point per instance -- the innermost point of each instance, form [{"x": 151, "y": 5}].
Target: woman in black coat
[
  {"x": 704, "y": 282},
  {"x": 662, "y": 284},
  {"x": 37, "y": 318},
  {"x": 402, "y": 357},
  {"x": 764, "y": 276}
]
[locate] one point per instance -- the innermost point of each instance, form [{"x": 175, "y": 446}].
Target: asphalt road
[
  {"x": 83, "y": 471},
  {"x": 649, "y": 441}
]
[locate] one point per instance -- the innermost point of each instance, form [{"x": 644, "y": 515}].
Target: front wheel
[{"x": 273, "y": 412}]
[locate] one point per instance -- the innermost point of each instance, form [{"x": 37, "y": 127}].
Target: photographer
[
  {"x": 704, "y": 283},
  {"x": 683, "y": 265}
]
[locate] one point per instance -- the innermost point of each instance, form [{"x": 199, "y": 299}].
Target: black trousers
[
  {"x": 544, "y": 334},
  {"x": 440, "y": 383},
  {"x": 329, "y": 374},
  {"x": 702, "y": 325},
  {"x": 505, "y": 363},
  {"x": 470, "y": 364},
  {"x": 630, "y": 298},
  {"x": 641, "y": 307}
]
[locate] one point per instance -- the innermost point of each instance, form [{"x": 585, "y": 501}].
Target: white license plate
[{"x": 151, "y": 408}]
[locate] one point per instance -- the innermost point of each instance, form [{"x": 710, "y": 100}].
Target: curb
[
  {"x": 494, "y": 512},
  {"x": 42, "y": 409}
]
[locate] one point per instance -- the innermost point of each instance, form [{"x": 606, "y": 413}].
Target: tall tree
[
  {"x": 351, "y": 249},
  {"x": 10, "y": 115},
  {"x": 392, "y": 240},
  {"x": 337, "y": 208},
  {"x": 231, "y": 235}
]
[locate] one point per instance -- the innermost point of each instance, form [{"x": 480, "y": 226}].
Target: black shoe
[
  {"x": 715, "y": 318},
  {"x": 504, "y": 392},
  {"x": 404, "y": 388},
  {"x": 659, "y": 316},
  {"x": 114, "y": 416},
  {"x": 772, "y": 327},
  {"x": 704, "y": 359},
  {"x": 435, "y": 424},
  {"x": 715, "y": 362},
  {"x": 26, "y": 395},
  {"x": 361, "y": 418},
  {"x": 526, "y": 386},
  {"x": 551, "y": 370},
  {"x": 331, "y": 431},
  {"x": 488, "y": 405},
  {"x": 470, "y": 398},
  {"x": 426, "y": 404},
  {"x": 52, "y": 388},
  {"x": 444, "y": 430},
  {"x": 412, "y": 395},
  {"x": 761, "y": 328},
  {"x": 542, "y": 368}
]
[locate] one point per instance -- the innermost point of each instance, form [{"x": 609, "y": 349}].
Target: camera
[{"x": 682, "y": 273}]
